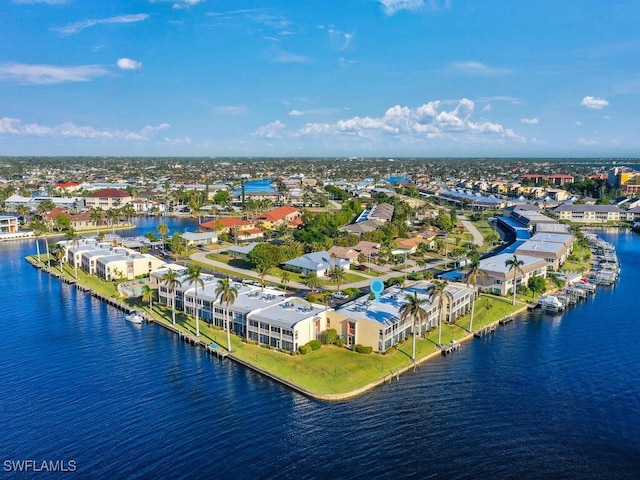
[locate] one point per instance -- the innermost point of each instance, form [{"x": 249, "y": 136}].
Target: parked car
[{"x": 339, "y": 295}]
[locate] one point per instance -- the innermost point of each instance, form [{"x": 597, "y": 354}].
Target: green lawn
[{"x": 329, "y": 370}]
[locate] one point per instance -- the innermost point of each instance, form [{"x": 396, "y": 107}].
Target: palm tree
[
  {"x": 514, "y": 264},
  {"x": 194, "y": 276},
  {"x": 147, "y": 295},
  {"x": 285, "y": 278},
  {"x": 438, "y": 291},
  {"x": 163, "y": 230},
  {"x": 172, "y": 280},
  {"x": 262, "y": 270},
  {"x": 74, "y": 237},
  {"x": 57, "y": 251},
  {"x": 414, "y": 309},
  {"x": 338, "y": 275},
  {"x": 38, "y": 227},
  {"x": 311, "y": 280},
  {"x": 227, "y": 295},
  {"x": 472, "y": 276},
  {"x": 96, "y": 217}
]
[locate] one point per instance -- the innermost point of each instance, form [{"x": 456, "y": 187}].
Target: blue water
[
  {"x": 253, "y": 186},
  {"x": 544, "y": 397},
  {"x": 394, "y": 180}
]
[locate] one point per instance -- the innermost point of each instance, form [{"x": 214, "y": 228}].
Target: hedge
[{"x": 362, "y": 349}]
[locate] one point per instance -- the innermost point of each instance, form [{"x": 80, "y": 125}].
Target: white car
[{"x": 339, "y": 295}]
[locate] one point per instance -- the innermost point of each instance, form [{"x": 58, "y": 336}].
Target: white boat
[
  {"x": 551, "y": 304},
  {"x": 134, "y": 317}
]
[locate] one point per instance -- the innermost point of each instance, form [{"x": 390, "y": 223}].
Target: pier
[
  {"x": 485, "y": 331},
  {"x": 213, "y": 349},
  {"x": 450, "y": 347}
]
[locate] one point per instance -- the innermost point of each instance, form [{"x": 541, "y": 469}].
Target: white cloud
[
  {"x": 48, "y": 74},
  {"x": 595, "y": 103},
  {"x": 425, "y": 121},
  {"x": 529, "y": 121},
  {"x": 478, "y": 69},
  {"x": 231, "y": 110},
  {"x": 129, "y": 64},
  {"x": 177, "y": 4},
  {"x": 296, "y": 113},
  {"x": 588, "y": 143},
  {"x": 77, "y": 27},
  {"x": 270, "y": 131},
  {"x": 390, "y": 7},
  {"x": 14, "y": 126},
  {"x": 286, "y": 57}
]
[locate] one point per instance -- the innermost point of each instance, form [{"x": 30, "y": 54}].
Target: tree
[
  {"x": 222, "y": 197},
  {"x": 74, "y": 237},
  {"x": 265, "y": 255},
  {"x": 537, "y": 284},
  {"x": 172, "y": 280},
  {"x": 284, "y": 279},
  {"x": 58, "y": 252},
  {"x": 311, "y": 280},
  {"x": 163, "y": 231},
  {"x": 147, "y": 295},
  {"x": 414, "y": 310},
  {"x": 61, "y": 222},
  {"x": 194, "y": 276},
  {"x": 226, "y": 294},
  {"x": 262, "y": 271},
  {"x": 337, "y": 275},
  {"x": 178, "y": 245},
  {"x": 514, "y": 265},
  {"x": 439, "y": 292},
  {"x": 472, "y": 276},
  {"x": 97, "y": 217}
]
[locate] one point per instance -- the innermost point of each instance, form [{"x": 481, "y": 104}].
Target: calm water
[
  {"x": 256, "y": 186},
  {"x": 545, "y": 397}
]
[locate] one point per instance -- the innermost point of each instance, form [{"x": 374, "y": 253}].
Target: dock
[
  {"x": 485, "y": 331},
  {"x": 213, "y": 349},
  {"x": 450, "y": 347}
]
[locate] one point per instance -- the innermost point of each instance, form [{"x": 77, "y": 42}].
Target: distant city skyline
[{"x": 395, "y": 78}]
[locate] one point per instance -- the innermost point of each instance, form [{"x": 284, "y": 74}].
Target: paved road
[{"x": 201, "y": 257}]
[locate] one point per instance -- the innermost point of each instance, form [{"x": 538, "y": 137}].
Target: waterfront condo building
[{"x": 378, "y": 323}]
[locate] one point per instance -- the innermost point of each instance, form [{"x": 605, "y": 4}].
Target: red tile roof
[
  {"x": 278, "y": 213},
  {"x": 226, "y": 222}
]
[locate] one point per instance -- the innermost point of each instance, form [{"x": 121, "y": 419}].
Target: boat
[
  {"x": 134, "y": 317},
  {"x": 551, "y": 304}
]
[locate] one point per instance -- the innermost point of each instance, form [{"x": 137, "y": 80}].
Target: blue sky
[{"x": 372, "y": 78}]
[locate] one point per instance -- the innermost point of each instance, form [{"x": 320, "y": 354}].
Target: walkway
[{"x": 478, "y": 239}]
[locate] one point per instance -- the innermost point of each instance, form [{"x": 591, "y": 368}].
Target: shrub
[
  {"x": 362, "y": 349},
  {"x": 339, "y": 342},
  {"x": 315, "y": 344},
  {"x": 352, "y": 292},
  {"x": 304, "y": 349},
  {"x": 329, "y": 336}
]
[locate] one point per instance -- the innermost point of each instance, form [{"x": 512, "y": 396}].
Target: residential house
[
  {"x": 318, "y": 262},
  {"x": 241, "y": 230},
  {"x": 108, "y": 198},
  {"x": 277, "y": 217}
]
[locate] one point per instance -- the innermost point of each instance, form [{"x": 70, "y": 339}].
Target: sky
[{"x": 309, "y": 78}]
